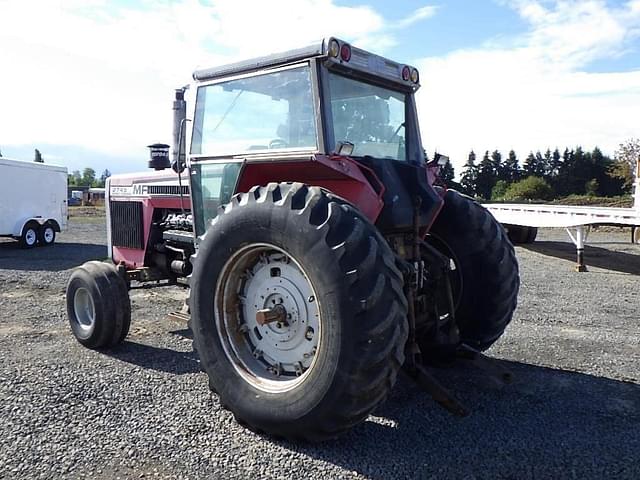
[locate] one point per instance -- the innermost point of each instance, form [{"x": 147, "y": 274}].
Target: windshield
[
  {"x": 265, "y": 112},
  {"x": 370, "y": 117}
]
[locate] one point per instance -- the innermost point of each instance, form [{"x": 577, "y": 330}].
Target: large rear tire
[
  {"x": 486, "y": 279},
  {"x": 98, "y": 305},
  {"x": 329, "y": 277}
]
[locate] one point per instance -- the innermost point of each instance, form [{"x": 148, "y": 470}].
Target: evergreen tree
[
  {"x": 540, "y": 165},
  {"x": 555, "y": 162},
  {"x": 469, "y": 175},
  {"x": 548, "y": 165},
  {"x": 510, "y": 168},
  {"x": 530, "y": 165},
  {"x": 496, "y": 163},
  {"x": 486, "y": 177},
  {"x": 38, "y": 157},
  {"x": 447, "y": 173}
]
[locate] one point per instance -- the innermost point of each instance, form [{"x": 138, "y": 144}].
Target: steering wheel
[{"x": 278, "y": 143}]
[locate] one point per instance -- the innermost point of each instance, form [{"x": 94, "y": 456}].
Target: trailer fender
[
  {"x": 21, "y": 224},
  {"x": 54, "y": 224}
]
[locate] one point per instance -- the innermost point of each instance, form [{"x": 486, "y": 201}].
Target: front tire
[
  {"x": 486, "y": 274},
  {"x": 334, "y": 352},
  {"x": 98, "y": 305}
]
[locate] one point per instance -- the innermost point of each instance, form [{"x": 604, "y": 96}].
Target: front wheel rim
[
  {"x": 84, "y": 310},
  {"x": 279, "y": 355}
]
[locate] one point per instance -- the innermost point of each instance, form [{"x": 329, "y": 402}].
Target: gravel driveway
[{"x": 144, "y": 410}]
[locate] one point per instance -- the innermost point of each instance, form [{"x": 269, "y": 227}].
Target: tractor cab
[{"x": 330, "y": 114}]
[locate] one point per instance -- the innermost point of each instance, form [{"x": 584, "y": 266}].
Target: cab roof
[{"x": 336, "y": 52}]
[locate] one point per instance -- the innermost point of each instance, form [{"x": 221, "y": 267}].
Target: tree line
[
  {"x": 548, "y": 175},
  {"x": 88, "y": 178}
]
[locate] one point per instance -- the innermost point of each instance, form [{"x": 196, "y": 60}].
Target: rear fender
[{"x": 340, "y": 175}]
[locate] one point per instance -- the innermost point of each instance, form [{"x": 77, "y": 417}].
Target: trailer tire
[
  {"x": 98, "y": 305},
  {"x": 29, "y": 236},
  {"x": 521, "y": 235},
  {"x": 355, "y": 294},
  {"x": 532, "y": 234},
  {"x": 46, "y": 235},
  {"x": 487, "y": 269}
]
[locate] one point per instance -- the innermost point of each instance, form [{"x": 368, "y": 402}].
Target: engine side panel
[{"x": 132, "y": 201}]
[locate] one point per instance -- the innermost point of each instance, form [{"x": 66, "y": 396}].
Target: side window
[{"x": 212, "y": 185}]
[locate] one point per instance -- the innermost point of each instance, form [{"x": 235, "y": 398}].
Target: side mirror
[
  {"x": 344, "y": 148},
  {"x": 440, "y": 159}
]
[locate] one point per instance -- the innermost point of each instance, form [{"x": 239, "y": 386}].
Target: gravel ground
[{"x": 144, "y": 410}]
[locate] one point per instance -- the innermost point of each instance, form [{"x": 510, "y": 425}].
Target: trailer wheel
[
  {"x": 46, "y": 235},
  {"x": 298, "y": 312},
  {"x": 486, "y": 274},
  {"x": 532, "y": 234},
  {"x": 98, "y": 305},
  {"x": 29, "y": 237},
  {"x": 520, "y": 235}
]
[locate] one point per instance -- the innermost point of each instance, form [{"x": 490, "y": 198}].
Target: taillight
[
  {"x": 345, "y": 52},
  {"x": 406, "y": 73}
]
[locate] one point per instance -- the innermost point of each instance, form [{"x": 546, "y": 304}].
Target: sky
[{"x": 90, "y": 82}]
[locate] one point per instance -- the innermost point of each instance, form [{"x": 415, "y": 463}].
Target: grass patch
[{"x": 76, "y": 212}]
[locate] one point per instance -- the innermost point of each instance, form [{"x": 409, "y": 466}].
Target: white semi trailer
[
  {"x": 33, "y": 201},
  {"x": 523, "y": 220}
]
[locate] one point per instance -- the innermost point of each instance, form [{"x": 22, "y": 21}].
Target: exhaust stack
[{"x": 179, "y": 120}]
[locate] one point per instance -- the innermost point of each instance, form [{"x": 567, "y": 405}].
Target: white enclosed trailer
[
  {"x": 33, "y": 201},
  {"x": 525, "y": 219}
]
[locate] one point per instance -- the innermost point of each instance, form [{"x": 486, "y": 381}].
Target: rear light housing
[
  {"x": 406, "y": 73},
  {"x": 345, "y": 52},
  {"x": 334, "y": 48}
]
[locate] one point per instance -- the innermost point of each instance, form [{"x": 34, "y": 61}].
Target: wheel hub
[
  {"x": 277, "y": 318},
  {"x": 85, "y": 310},
  {"x": 31, "y": 237}
]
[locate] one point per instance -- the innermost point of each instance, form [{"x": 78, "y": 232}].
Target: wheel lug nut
[{"x": 309, "y": 333}]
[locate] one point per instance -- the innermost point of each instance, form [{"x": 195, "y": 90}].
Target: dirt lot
[{"x": 144, "y": 410}]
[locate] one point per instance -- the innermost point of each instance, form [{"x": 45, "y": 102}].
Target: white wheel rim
[
  {"x": 30, "y": 237},
  {"x": 85, "y": 310},
  {"x": 277, "y": 356},
  {"x": 48, "y": 235}
]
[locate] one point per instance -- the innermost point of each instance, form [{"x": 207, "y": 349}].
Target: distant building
[
  {"x": 80, "y": 195},
  {"x": 96, "y": 196}
]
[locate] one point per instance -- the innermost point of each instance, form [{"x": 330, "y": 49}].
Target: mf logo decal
[{"x": 140, "y": 189}]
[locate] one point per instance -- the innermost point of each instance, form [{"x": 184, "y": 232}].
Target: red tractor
[{"x": 325, "y": 257}]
